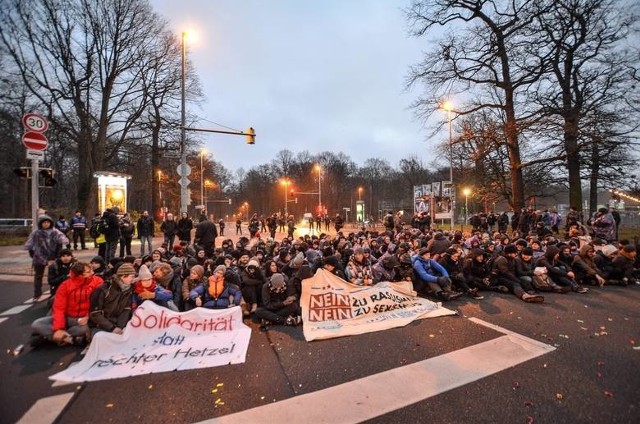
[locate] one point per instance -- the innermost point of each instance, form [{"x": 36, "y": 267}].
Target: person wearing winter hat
[
  {"x": 110, "y": 308},
  {"x": 504, "y": 278},
  {"x": 43, "y": 244},
  {"x": 332, "y": 264},
  {"x": 195, "y": 278},
  {"x": 145, "y": 288},
  {"x": 98, "y": 265},
  {"x": 252, "y": 279},
  {"x": 214, "y": 293},
  {"x": 280, "y": 302},
  {"x": 59, "y": 270},
  {"x": 431, "y": 277},
  {"x": 559, "y": 272}
]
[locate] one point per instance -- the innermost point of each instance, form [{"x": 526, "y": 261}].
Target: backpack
[{"x": 98, "y": 227}]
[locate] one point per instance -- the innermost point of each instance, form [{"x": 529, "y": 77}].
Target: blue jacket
[
  {"x": 427, "y": 269},
  {"x": 221, "y": 301}
]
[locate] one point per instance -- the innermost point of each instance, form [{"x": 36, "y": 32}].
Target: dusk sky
[{"x": 307, "y": 75}]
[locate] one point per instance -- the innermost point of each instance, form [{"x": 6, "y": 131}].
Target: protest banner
[
  {"x": 332, "y": 307},
  {"x": 158, "y": 340}
]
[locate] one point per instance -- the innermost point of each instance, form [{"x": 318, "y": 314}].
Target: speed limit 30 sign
[{"x": 35, "y": 122}]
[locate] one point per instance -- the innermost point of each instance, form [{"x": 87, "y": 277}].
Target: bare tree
[
  {"x": 83, "y": 61},
  {"x": 485, "y": 51}
]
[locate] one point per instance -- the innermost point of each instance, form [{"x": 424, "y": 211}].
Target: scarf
[{"x": 139, "y": 288}]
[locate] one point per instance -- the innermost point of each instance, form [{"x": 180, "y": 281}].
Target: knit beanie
[
  {"x": 220, "y": 268},
  {"x": 277, "y": 281},
  {"x": 143, "y": 273},
  {"x": 126, "y": 269}
]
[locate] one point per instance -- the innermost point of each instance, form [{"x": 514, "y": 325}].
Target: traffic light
[
  {"x": 47, "y": 177},
  {"x": 22, "y": 172},
  {"x": 250, "y": 135}
]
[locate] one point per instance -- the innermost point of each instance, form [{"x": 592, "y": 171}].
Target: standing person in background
[
  {"x": 63, "y": 226},
  {"x": 126, "y": 235},
  {"x": 205, "y": 238},
  {"x": 238, "y": 226},
  {"x": 44, "y": 245},
  {"x": 78, "y": 226},
  {"x": 145, "y": 229},
  {"x": 221, "y": 225},
  {"x": 169, "y": 228},
  {"x": 185, "y": 225},
  {"x": 111, "y": 231}
]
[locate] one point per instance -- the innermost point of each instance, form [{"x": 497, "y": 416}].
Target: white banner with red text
[
  {"x": 158, "y": 340},
  {"x": 333, "y": 307}
]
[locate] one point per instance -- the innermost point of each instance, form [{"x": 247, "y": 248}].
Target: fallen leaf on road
[
  {"x": 528, "y": 403},
  {"x": 516, "y": 385},
  {"x": 150, "y": 386},
  {"x": 607, "y": 393},
  {"x": 636, "y": 348},
  {"x": 559, "y": 396},
  {"x": 600, "y": 363},
  {"x": 529, "y": 419},
  {"x": 563, "y": 336},
  {"x": 598, "y": 374},
  {"x": 581, "y": 321},
  {"x": 214, "y": 391},
  {"x": 109, "y": 405}
]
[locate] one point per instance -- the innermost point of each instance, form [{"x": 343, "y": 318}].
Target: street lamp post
[
  {"x": 466, "y": 193},
  {"x": 449, "y": 107},
  {"x": 319, "y": 169},
  {"x": 359, "y": 194},
  {"x": 202, "y": 153},
  {"x": 286, "y": 183},
  {"x": 184, "y": 193}
]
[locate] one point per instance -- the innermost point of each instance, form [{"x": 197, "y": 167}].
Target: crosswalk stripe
[
  {"x": 3, "y": 319},
  {"x": 15, "y": 310},
  {"x": 363, "y": 399},
  {"x": 46, "y": 410}
]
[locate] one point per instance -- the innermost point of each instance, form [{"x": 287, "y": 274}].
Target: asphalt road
[{"x": 592, "y": 376}]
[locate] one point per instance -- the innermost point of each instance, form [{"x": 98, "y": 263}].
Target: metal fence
[{"x": 15, "y": 222}]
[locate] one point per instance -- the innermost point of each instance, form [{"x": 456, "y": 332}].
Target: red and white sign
[
  {"x": 35, "y": 140},
  {"x": 35, "y": 122}
]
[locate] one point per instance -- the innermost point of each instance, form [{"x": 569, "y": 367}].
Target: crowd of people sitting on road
[{"x": 264, "y": 276}]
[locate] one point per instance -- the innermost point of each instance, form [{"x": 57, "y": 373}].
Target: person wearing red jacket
[{"x": 67, "y": 323}]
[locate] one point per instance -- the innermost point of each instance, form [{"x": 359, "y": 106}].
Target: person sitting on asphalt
[
  {"x": 587, "y": 272},
  {"x": 111, "y": 302},
  {"x": 332, "y": 265},
  {"x": 59, "y": 270},
  {"x": 215, "y": 293},
  {"x": 503, "y": 276},
  {"x": 431, "y": 277},
  {"x": 146, "y": 288},
  {"x": 450, "y": 260},
  {"x": 68, "y": 321},
  {"x": 558, "y": 271},
  {"x": 280, "y": 305}
]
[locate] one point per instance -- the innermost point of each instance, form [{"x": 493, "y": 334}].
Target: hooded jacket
[
  {"x": 73, "y": 299},
  {"x": 427, "y": 269},
  {"x": 44, "y": 245}
]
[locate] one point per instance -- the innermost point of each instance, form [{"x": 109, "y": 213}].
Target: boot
[{"x": 532, "y": 298}]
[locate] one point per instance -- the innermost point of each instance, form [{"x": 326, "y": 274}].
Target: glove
[{"x": 444, "y": 281}]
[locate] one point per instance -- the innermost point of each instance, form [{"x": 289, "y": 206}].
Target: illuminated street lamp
[
  {"x": 359, "y": 194},
  {"x": 448, "y": 106},
  {"x": 466, "y": 191},
  {"x": 246, "y": 209},
  {"x": 286, "y": 183}
]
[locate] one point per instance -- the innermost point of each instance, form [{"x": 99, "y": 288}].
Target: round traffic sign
[
  {"x": 34, "y": 140},
  {"x": 184, "y": 170},
  {"x": 35, "y": 122}
]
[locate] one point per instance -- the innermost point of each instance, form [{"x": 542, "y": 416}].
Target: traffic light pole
[{"x": 35, "y": 192}]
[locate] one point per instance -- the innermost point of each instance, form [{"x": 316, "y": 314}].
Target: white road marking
[
  {"x": 15, "y": 310},
  {"x": 45, "y": 296},
  {"x": 46, "y": 410},
  {"x": 3, "y": 319},
  {"x": 362, "y": 399}
]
